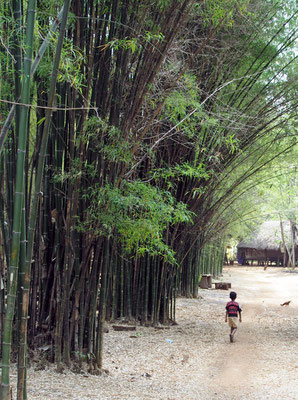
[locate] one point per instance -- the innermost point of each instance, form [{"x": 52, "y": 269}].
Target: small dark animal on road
[{"x": 286, "y": 303}]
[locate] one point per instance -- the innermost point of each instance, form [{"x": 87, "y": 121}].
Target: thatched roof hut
[{"x": 265, "y": 244}]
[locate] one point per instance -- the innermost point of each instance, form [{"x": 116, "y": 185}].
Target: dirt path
[
  {"x": 241, "y": 361},
  {"x": 262, "y": 364},
  {"x": 195, "y": 360}
]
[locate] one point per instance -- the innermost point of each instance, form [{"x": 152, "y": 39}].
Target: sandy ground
[{"x": 194, "y": 360}]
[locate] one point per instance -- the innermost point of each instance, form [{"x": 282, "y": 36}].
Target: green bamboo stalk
[
  {"x": 82, "y": 313},
  {"x": 128, "y": 294},
  {"x": 147, "y": 281},
  {"x": 45, "y": 135},
  {"x": 4, "y": 230},
  {"x": 40, "y": 53},
  {"x": 154, "y": 275},
  {"x": 160, "y": 289},
  {"x": 93, "y": 303},
  {"x": 115, "y": 280},
  {"x": 38, "y": 183},
  {"x": 122, "y": 283},
  {"x": 10, "y": 184},
  {"x": 102, "y": 306},
  {"x": 18, "y": 204},
  {"x": 23, "y": 285},
  {"x": 3, "y": 239},
  {"x": 174, "y": 297},
  {"x": 59, "y": 320},
  {"x": 55, "y": 303},
  {"x": 138, "y": 287},
  {"x": 21, "y": 282},
  {"x": 65, "y": 302},
  {"x": 196, "y": 273},
  {"x": 18, "y": 54}
]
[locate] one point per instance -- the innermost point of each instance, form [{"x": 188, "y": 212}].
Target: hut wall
[{"x": 260, "y": 256}]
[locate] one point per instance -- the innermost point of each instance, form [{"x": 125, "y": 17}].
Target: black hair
[{"x": 233, "y": 295}]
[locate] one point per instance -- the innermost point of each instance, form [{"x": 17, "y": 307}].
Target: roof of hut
[{"x": 267, "y": 236}]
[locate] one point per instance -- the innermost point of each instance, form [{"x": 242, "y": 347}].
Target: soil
[{"x": 194, "y": 360}]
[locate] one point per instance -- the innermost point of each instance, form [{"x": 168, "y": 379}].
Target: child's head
[{"x": 233, "y": 295}]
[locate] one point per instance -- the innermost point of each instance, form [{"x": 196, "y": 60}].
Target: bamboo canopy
[{"x": 117, "y": 186}]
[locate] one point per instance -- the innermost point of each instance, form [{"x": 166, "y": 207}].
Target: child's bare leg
[{"x": 231, "y": 335}]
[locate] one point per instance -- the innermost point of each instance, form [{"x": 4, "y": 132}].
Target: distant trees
[{"x": 136, "y": 151}]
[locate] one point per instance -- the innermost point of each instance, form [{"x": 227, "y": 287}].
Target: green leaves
[
  {"x": 125, "y": 43},
  {"x": 107, "y": 140},
  {"x": 232, "y": 143},
  {"x": 70, "y": 68},
  {"x": 214, "y": 11},
  {"x": 137, "y": 214},
  {"x": 172, "y": 175},
  {"x": 184, "y": 103},
  {"x": 133, "y": 43}
]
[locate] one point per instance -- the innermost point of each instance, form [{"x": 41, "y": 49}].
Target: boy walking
[{"x": 232, "y": 312}]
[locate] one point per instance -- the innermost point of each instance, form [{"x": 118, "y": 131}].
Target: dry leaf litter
[{"x": 194, "y": 359}]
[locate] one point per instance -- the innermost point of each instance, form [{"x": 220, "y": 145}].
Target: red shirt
[{"x": 233, "y": 309}]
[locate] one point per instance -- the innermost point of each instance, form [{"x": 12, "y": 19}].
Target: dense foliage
[{"x": 150, "y": 124}]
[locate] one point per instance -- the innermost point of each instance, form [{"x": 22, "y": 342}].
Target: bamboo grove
[{"x": 129, "y": 129}]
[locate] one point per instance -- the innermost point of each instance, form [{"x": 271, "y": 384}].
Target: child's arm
[
  {"x": 240, "y": 318},
  {"x": 226, "y": 318}
]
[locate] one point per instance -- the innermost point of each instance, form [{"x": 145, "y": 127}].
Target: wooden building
[{"x": 265, "y": 245}]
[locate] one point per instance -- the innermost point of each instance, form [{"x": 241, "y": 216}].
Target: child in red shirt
[{"x": 232, "y": 311}]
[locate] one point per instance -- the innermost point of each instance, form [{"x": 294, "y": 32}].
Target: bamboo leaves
[
  {"x": 145, "y": 140},
  {"x": 138, "y": 213}
]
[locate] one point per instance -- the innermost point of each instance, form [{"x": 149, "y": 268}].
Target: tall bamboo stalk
[
  {"x": 123, "y": 85},
  {"x": 35, "y": 202},
  {"x": 102, "y": 306},
  {"x": 18, "y": 204},
  {"x": 23, "y": 285}
]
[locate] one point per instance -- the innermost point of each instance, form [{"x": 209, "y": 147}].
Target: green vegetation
[{"x": 156, "y": 131}]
